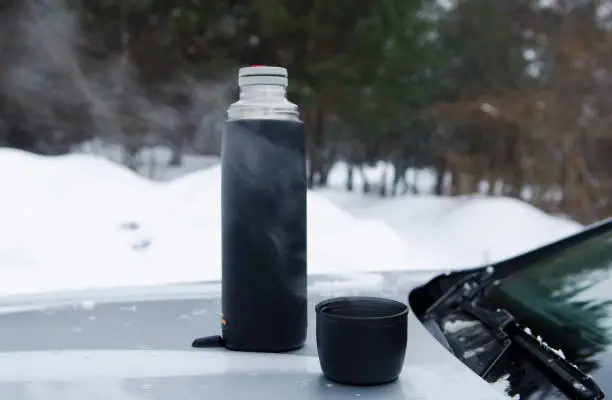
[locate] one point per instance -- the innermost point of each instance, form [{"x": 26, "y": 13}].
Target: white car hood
[{"x": 136, "y": 345}]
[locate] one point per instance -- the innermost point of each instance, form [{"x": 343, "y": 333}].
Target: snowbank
[
  {"x": 78, "y": 221},
  {"x": 468, "y": 231}
]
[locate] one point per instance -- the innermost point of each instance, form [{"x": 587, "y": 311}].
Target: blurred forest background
[{"x": 509, "y": 97}]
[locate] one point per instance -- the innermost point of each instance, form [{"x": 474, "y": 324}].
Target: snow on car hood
[{"x": 145, "y": 374}]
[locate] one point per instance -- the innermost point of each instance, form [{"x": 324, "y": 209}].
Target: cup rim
[{"x": 320, "y": 307}]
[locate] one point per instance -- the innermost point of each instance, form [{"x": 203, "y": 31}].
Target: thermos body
[{"x": 263, "y": 201}]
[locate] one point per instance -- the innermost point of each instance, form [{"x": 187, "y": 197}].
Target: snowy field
[{"x": 80, "y": 221}]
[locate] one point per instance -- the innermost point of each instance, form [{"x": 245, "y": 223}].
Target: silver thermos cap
[
  {"x": 263, "y": 95},
  {"x": 262, "y": 75}
]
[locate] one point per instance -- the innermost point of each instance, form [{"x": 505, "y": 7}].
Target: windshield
[
  {"x": 567, "y": 301},
  {"x": 572, "y": 290}
]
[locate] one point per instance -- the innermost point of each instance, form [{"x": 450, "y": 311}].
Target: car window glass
[{"x": 572, "y": 291}]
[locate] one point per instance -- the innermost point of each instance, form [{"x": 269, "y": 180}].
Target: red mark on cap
[{"x": 257, "y": 65}]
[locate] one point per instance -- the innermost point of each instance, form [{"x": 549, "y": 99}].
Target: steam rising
[{"x": 57, "y": 91}]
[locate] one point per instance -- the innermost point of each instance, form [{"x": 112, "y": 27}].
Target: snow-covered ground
[{"x": 80, "y": 221}]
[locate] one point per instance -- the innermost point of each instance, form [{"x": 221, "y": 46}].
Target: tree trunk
[
  {"x": 439, "y": 186},
  {"x": 349, "y": 177},
  {"x": 441, "y": 167},
  {"x": 314, "y": 125}
]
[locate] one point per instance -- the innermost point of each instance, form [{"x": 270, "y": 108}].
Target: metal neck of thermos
[{"x": 263, "y": 95}]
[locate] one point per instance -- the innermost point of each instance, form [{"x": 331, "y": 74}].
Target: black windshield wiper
[
  {"x": 463, "y": 294},
  {"x": 563, "y": 374},
  {"x": 463, "y": 290}
]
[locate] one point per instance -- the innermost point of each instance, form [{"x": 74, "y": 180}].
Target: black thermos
[{"x": 263, "y": 202}]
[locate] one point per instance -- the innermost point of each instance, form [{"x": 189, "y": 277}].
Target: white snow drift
[{"x": 78, "y": 221}]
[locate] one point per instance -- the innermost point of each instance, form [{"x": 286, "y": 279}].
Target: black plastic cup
[{"x": 362, "y": 340}]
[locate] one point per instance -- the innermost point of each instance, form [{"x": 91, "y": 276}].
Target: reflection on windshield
[{"x": 567, "y": 300}]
